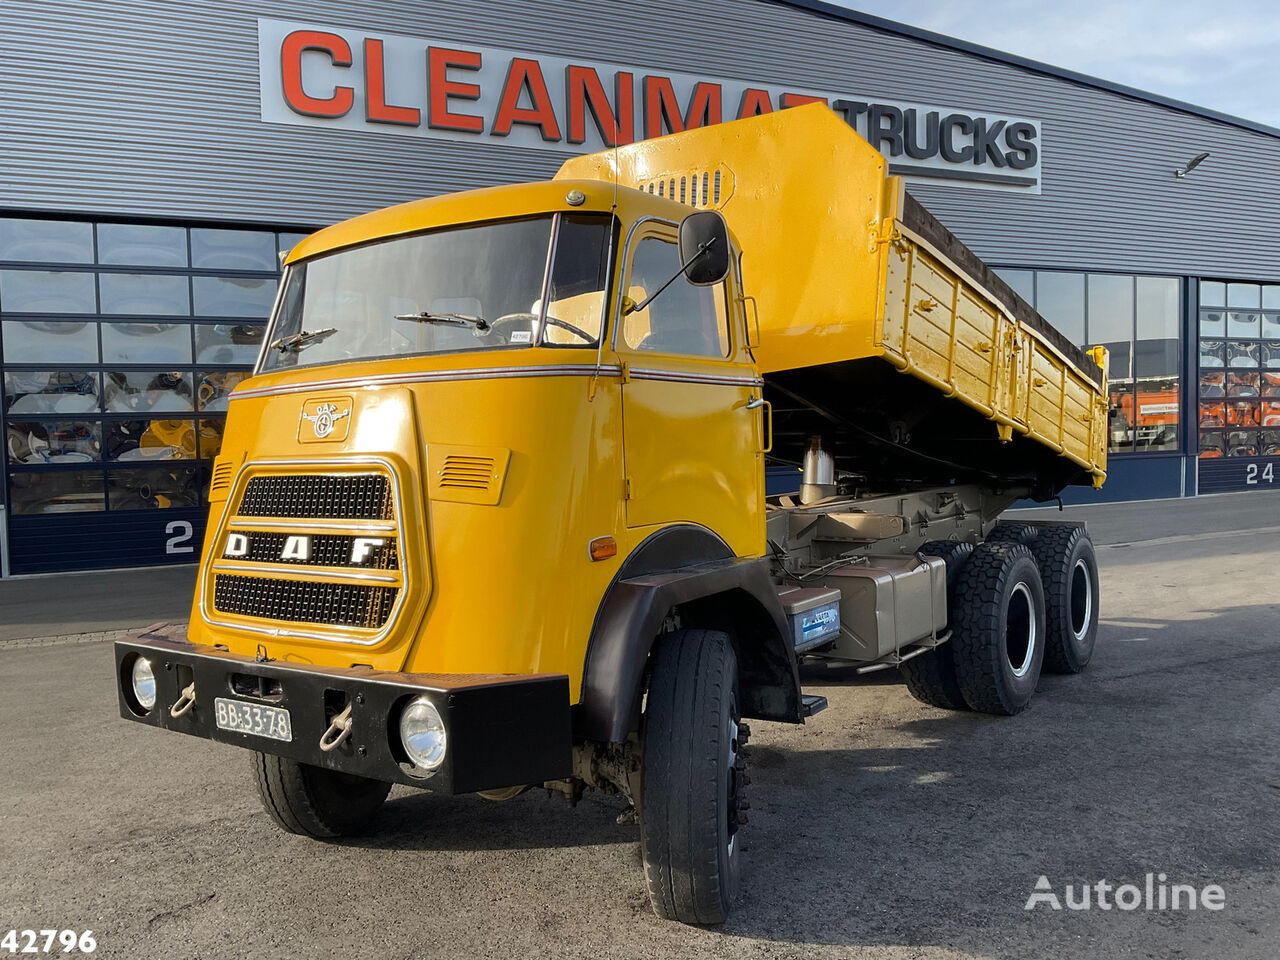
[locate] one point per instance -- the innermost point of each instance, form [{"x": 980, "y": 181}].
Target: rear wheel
[
  {"x": 692, "y": 778},
  {"x": 931, "y": 677},
  {"x": 998, "y": 628},
  {"x": 1010, "y": 531},
  {"x": 315, "y": 802},
  {"x": 1069, "y": 570}
]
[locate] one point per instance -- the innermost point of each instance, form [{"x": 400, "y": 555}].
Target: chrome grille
[
  {"x": 285, "y": 527},
  {"x": 318, "y": 496},
  {"x": 304, "y": 601}
]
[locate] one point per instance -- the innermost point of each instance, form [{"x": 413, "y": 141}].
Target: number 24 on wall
[{"x": 1251, "y": 474}]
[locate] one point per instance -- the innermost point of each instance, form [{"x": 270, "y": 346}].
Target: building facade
[{"x": 158, "y": 157}]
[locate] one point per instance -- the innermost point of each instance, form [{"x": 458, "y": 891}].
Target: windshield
[{"x": 464, "y": 288}]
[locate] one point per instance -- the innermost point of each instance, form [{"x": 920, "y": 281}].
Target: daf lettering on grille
[{"x": 298, "y": 547}]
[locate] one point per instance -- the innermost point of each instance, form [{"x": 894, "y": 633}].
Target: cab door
[{"x": 692, "y": 420}]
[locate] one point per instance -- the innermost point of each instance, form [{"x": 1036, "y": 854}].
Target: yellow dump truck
[{"x": 491, "y": 512}]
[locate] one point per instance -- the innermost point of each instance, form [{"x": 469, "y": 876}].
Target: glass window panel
[
  {"x": 1156, "y": 358},
  {"x": 1213, "y": 293},
  {"x": 1213, "y": 323},
  {"x": 1271, "y": 326},
  {"x": 233, "y": 297},
  {"x": 1243, "y": 413},
  {"x": 147, "y": 391},
  {"x": 131, "y": 441},
  {"x": 1110, "y": 308},
  {"x": 43, "y": 392},
  {"x": 1242, "y": 443},
  {"x": 1213, "y": 354},
  {"x": 145, "y": 294},
  {"x": 1060, "y": 300},
  {"x": 152, "y": 488},
  {"x": 1022, "y": 282},
  {"x": 211, "y": 437},
  {"x": 53, "y": 441},
  {"x": 285, "y": 242},
  {"x": 1242, "y": 355},
  {"x": 1271, "y": 296},
  {"x": 1213, "y": 444},
  {"x": 1213, "y": 414},
  {"x": 1244, "y": 295},
  {"x": 1270, "y": 443},
  {"x": 168, "y": 440},
  {"x": 46, "y": 241},
  {"x": 1213, "y": 385},
  {"x": 46, "y": 291},
  {"x": 228, "y": 343},
  {"x": 215, "y": 388},
  {"x": 51, "y": 341},
  {"x": 1270, "y": 384},
  {"x": 1120, "y": 364},
  {"x": 685, "y": 318},
  {"x": 1270, "y": 413},
  {"x": 1157, "y": 414},
  {"x": 61, "y": 491},
  {"x": 1241, "y": 324},
  {"x": 233, "y": 250},
  {"x": 1159, "y": 309},
  {"x": 123, "y": 438},
  {"x": 1242, "y": 385},
  {"x": 142, "y": 245},
  {"x": 1121, "y": 418},
  {"x": 146, "y": 343}
]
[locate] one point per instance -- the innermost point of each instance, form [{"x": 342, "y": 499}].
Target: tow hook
[
  {"x": 185, "y": 702},
  {"x": 338, "y": 732}
]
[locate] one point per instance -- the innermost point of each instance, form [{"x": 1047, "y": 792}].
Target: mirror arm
[{"x": 703, "y": 248}]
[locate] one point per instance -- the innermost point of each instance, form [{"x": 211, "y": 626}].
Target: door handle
[{"x": 755, "y": 403}]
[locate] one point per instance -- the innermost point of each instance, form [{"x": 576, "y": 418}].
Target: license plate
[{"x": 252, "y": 718}]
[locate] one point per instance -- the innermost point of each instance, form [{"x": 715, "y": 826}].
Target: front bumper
[{"x": 502, "y": 730}]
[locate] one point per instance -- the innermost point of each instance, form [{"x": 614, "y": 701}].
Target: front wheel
[
  {"x": 692, "y": 778},
  {"x": 315, "y": 802}
]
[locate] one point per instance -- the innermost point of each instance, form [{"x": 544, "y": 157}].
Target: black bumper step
[{"x": 811, "y": 703}]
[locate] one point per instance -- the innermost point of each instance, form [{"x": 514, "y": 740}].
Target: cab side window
[{"x": 684, "y": 319}]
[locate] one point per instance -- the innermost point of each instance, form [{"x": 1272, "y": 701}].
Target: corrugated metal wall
[{"x": 150, "y": 107}]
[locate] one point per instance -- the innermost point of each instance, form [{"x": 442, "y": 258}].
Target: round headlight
[
  {"x": 423, "y": 735},
  {"x": 144, "y": 683}
]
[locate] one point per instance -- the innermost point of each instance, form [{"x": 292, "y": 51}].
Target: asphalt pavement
[{"x": 881, "y": 828}]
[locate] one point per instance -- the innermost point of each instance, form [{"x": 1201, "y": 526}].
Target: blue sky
[{"x": 1224, "y": 55}]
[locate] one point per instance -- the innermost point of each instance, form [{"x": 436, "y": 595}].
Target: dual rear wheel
[{"x": 1024, "y": 600}]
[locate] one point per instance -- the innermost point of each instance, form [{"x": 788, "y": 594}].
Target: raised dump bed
[{"x": 878, "y": 329}]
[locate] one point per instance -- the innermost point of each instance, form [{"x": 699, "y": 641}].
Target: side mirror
[{"x": 704, "y": 247}]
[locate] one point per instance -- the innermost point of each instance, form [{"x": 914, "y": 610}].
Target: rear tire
[
  {"x": 1069, "y": 571},
  {"x": 1010, "y": 531},
  {"x": 931, "y": 677},
  {"x": 998, "y": 628},
  {"x": 692, "y": 778},
  {"x": 315, "y": 802}
]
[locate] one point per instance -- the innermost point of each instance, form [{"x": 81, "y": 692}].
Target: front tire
[
  {"x": 315, "y": 802},
  {"x": 692, "y": 778},
  {"x": 998, "y": 628}
]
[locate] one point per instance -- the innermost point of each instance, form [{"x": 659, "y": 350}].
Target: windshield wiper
[
  {"x": 303, "y": 338},
  {"x": 453, "y": 319}
]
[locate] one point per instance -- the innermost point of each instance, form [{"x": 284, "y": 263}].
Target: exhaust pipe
[{"x": 819, "y": 481}]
